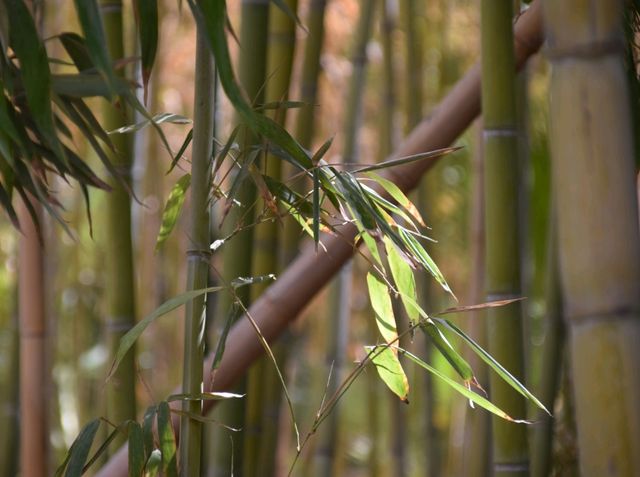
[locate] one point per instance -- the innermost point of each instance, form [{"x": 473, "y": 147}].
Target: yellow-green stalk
[
  {"x": 592, "y": 149},
  {"x": 500, "y": 137}
]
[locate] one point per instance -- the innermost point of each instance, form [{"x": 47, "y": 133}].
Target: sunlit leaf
[
  {"x": 497, "y": 367},
  {"x": 394, "y": 191},
  {"x": 404, "y": 280},
  {"x": 470, "y": 395},
  {"x": 154, "y": 464},
  {"x": 157, "y": 119},
  {"x": 211, "y": 396},
  {"x": 390, "y": 370},
  {"x": 383, "y": 308},
  {"x": 172, "y": 208},
  {"x": 406, "y": 160}
]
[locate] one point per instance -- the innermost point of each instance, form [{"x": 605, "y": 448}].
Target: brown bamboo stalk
[
  {"x": 293, "y": 290},
  {"x": 34, "y": 434}
]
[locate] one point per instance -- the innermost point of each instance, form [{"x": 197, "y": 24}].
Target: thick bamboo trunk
[
  {"x": 592, "y": 148},
  {"x": 502, "y": 252},
  {"x": 34, "y": 381},
  {"x": 288, "y": 296},
  {"x": 197, "y": 256},
  {"x": 119, "y": 286}
]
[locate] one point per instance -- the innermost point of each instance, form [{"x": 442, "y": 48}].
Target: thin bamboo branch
[{"x": 278, "y": 306}]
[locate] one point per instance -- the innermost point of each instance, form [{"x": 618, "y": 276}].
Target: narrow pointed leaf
[
  {"x": 404, "y": 280},
  {"x": 406, "y": 160},
  {"x": 147, "y": 18},
  {"x": 470, "y": 395},
  {"x": 497, "y": 367},
  {"x": 127, "y": 341},
  {"x": 80, "y": 448}
]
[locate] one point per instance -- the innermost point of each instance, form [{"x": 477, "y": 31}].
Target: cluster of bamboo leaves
[{"x": 36, "y": 107}]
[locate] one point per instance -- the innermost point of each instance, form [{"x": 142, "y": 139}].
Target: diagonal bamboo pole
[{"x": 293, "y": 290}]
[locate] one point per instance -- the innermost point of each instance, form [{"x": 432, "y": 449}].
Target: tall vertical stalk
[
  {"x": 120, "y": 289},
  {"x": 34, "y": 434},
  {"x": 510, "y": 453},
  {"x": 341, "y": 288},
  {"x": 238, "y": 252},
  {"x": 263, "y": 384},
  {"x": 592, "y": 148},
  {"x": 197, "y": 255}
]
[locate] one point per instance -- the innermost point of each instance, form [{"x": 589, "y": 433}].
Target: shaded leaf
[
  {"x": 167, "y": 441},
  {"x": 147, "y": 18},
  {"x": 136, "y": 450},
  {"x": 383, "y": 308},
  {"x": 388, "y": 365},
  {"x": 80, "y": 448}
]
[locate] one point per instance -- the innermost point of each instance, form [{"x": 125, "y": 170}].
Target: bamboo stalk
[
  {"x": 592, "y": 148},
  {"x": 477, "y": 438},
  {"x": 510, "y": 449},
  {"x": 282, "y": 301},
  {"x": 119, "y": 278},
  {"x": 197, "y": 256},
  {"x": 263, "y": 383},
  {"x": 238, "y": 253},
  {"x": 9, "y": 390},
  {"x": 34, "y": 419},
  {"x": 328, "y": 459},
  {"x": 552, "y": 357}
]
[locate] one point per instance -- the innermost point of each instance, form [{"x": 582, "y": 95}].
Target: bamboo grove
[{"x": 319, "y": 237}]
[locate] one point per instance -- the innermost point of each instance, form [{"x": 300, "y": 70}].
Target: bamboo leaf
[
  {"x": 183, "y": 148},
  {"x": 34, "y": 65},
  {"x": 407, "y": 159},
  {"x": 481, "y": 306},
  {"x": 394, "y": 191},
  {"x": 127, "y": 341},
  {"x": 211, "y": 396},
  {"x": 381, "y": 304},
  {"x": 147, "y": 18},
  {"x": 172, "y": 208},
  {"x": 167, "y": 441},
  {"x": 80, "y": 448},
  {"x": 497, "y": 367},
  {"x": 211, "y": 17},
  {"x": 147, "y": 428},
  {"x": 470, "y": 395},
  {"x": 316, "y": 207},
  {"x": 95, "y": 40},
  {"x": 87, "y": 85},
  {"x": 136, "y": 450},
  {"x": 77, "y": 50},
  {"x": 154, "y": 464},
  {"x": 286, "y": 9},
  {"x": 404, "y": 279},
  {"x": 157, "y": 119},
  {"x": 386, "y": 361}
]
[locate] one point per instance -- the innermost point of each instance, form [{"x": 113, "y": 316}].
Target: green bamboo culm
[
  {"x": 500, "y": 138},
  {"x": 197, "y": 255},
  {"x": 238, "y": 252},
  {"x": 305, "y": 117},
  {"x": 327, "y": 461},
  {"x": 263, "y": 383},
  {"x": 119, "y": 273},
  {"x": 594, "y": 182}
]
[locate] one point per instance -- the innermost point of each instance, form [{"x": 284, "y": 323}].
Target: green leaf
[
  {"x": 388, "y": 365},
  {"x": 497, "y": 367},
  {"x": 167, "y": 441},
  {"x": 394, "y": 191},
  {"x": 154, "y": 464},
  {"x": 211, "y": 18},
  {"x": 80, "y": 448},
  {"x": 34, "y": 65},
  {"x": 172, "y": 208},
  {"x": 127, "y": 341},
  {"x": 87, "y": 85},
  {"x": 405, "y": 160},
  {"x": 147, "y": 429},
  {"x": 472, "y": 396},
  {"x": 381, "y": 304},
  {"x": 211, "y": 396},
  {"x": 187, "y": 140},
  {"x": 77, "y": 50},
  {"x": 157, "y": 119},
  {"x": 95, "y": 41},
  {"x": 147, "y": 19},
  {"x": 136, "y": 450},
  {"x": 316, "y": 207},
  {"x": 404, "y": 280},
  {"x": 286, "y": 9}
]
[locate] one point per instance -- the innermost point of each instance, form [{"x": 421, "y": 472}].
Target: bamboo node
[
  {"x": 199, "y": 254},
  {"x": 522, "y": 466},
  {"x": 585, "y": 51},
  {"x": 118, "y": 324},
  {"x": 499, "y": 132}
]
